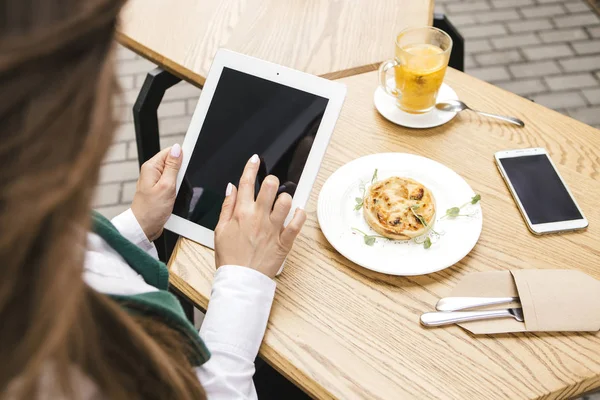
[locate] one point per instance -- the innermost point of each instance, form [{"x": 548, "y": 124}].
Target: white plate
[
  {"x": 337, "y": 216},
  {"x": 386, "y": 105}
]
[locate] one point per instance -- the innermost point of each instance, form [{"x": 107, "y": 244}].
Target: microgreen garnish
[
  {"x": 374, "y": 178},
  {"x": 455, "y": 211},
  {"x": 361, "y": 200},
  {"x": 421, "y": 219},
  {"x": 427, "y": 243},
  {"x": 369, "y": 239}
]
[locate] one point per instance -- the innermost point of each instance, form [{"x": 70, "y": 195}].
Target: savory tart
[{"x": 397, "y": 207}]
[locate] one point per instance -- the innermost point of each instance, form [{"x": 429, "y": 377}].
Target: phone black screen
[
  {"x": 247, "y": 115},
  {"x": 540, "y": 189}
]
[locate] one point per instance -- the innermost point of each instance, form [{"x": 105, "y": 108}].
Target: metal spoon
[{"x": 458, "y": 106}]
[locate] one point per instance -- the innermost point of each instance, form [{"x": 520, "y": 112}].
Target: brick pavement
[{"x": 546, "y": 50}]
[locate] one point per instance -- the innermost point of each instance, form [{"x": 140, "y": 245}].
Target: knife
[
  {"x": 445, "y": 318},
  {"x": 461, "y": 303}
]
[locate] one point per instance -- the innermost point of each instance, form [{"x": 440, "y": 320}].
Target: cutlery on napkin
[{"x": 533, "y": 300}]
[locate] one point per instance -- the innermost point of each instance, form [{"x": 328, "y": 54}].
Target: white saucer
[{"x": 386, "y": 105}]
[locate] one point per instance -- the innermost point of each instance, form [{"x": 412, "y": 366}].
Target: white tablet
[{"x": 249, "y": 106}]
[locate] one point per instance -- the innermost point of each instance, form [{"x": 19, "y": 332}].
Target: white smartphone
[{"x": 541, "y": 194}]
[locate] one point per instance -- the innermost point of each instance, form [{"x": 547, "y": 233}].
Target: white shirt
[{"x": 235, "y": 320}]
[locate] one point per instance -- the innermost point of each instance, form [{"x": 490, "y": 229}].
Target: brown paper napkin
[{"x": 552, "y": 300}]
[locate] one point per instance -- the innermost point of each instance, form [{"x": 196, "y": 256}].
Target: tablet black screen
[{"x": 248, "y": 115}]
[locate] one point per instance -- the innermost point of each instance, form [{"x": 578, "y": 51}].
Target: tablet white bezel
[{"x": 335, "y": 92}]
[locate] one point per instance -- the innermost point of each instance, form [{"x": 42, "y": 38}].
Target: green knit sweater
[{"x": 160, "y": 305}]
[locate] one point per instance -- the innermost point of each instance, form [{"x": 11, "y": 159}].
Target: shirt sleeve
[
  {"x": 233, "y": 330},
  {"x": 129, "y": 227}
]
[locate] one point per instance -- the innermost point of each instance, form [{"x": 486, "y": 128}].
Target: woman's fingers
[
  {"x": 228, "y": 204},
  {"x": 247, "y": 181},
  {"x": 281, "y": 209},
  {"x": 291, "y": 231},
  {"x": 152, "y": 169},
  {"x": 266, "y": 195},
  {"x": 172, "y": 164}
]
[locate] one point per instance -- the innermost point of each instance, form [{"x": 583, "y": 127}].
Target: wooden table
[
  {"x": 323, "y": 37},
  {"x": 338, "y": 330}
]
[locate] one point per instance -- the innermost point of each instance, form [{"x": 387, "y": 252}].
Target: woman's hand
[
  {"x": 249, "y": 233},
  {"x": 155, "y": 192}
]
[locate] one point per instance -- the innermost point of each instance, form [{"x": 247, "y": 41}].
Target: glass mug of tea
[{"x": 421, "y": 60}]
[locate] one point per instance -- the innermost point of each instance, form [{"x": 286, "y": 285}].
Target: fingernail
[
  {"x": 254, "y": 159},
  {"x": 229, "y": 189},
  {"x": 300, "y": 208},
  {"x": 176, "y": 150}
]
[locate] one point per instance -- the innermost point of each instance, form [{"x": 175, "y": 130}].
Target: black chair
[{"x": 457, "y": 57}]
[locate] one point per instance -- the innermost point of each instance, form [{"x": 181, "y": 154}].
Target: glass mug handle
[{"x": 383, "y": 69}]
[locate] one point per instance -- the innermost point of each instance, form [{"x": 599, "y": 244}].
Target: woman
[{"x": 83, "y": 315}]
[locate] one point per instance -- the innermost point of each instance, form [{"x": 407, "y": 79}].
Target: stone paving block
[
  {"x": 576, "y": 64},
  {"x": 168, "y": 109},
  {"x": 542, "y": 52},
  {"x": 534, "y": 69},
  {"x": 125, "y": 132},
  {"x": 462, "y": 19},
  {"x": 133, "y": 67},
  {"x": 594, "y": 31},
  {"x": 497, "y": 15},
  {"x": 574, "y": 81},
  {"x": 468, "y": 7},
  {"x": 529, "y": 25},
  {"x": 181, "y": 91},
  {"x": 587, "y": 47},
  {"x": 478, "y": 31},
  {"x": 513, "y": 41},
  {"x": 169, "y": 141},
  {"x": 577, "y": 6},
  {"x": 106, "y": 195},
  {"x": 128, "y": 97},
  {"x": 173, "y": 126},
  {"x": 120, "y": 171},
  {"x": 477, "y": 45},
  {"x": 549, "y": 1},
  {"x": 592, "y": 96},
  {"x": 124, "y": 53},
  {"x": 490, "y": 74},
  {"x": 511, "y": 3},
  {"x": 573, "y": 20},
  {"x": 126, "y": 82},
  {"x": 123, "y": 114},
  {"x": 116, "y": 152},
  {"x": 543, "y": 11},
  {"x": 192, "y": 103},
  {"x": 588, "y": 115},
  {"x": 112, "y": 211},
  {"x": 128, "y": 192},
  {"x": 563, "y": 35},
  {"x": 499, "y": 57},
  {"x": 524, "y": 87},
  {"x": 139, "y": 80},
  {"x": 560, "y": 100},
  {"x": 132, "y": 153}
]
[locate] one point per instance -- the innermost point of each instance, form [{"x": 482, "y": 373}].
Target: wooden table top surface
[
  {"x": 322, "y": 37},
  {"x": 338, "y": 330}
]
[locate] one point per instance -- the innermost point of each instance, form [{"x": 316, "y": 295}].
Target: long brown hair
[{"x": 56, "y": 123}]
